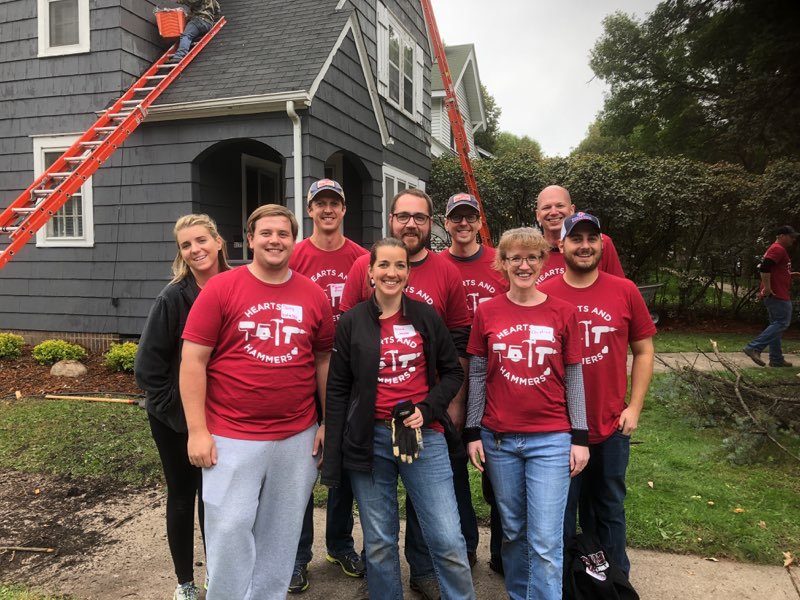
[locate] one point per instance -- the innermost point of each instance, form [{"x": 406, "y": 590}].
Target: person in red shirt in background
[
  {"x": 553, "y": 205},
  {"x": 326, "y": 257},
  {"x": 436, "y": 282},
  {"x": 395, "y": 369},
  {"x": 776, "y": 287},
  {"x": 527, "y": 417},
  {"x": 612, "y": 316},
  {"x": 482, "y": 281},
  {"x": 256, "y": 349}
]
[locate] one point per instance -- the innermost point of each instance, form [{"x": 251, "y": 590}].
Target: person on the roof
[{"x": 202, "y": 16}]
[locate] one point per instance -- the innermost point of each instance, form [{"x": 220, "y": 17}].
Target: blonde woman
[
  {"x": 201, "y": 255},
  {"x": 526, "y": 415}
]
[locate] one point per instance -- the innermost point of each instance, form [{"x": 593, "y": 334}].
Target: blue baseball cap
[
  {"x": 325, "y": 185},
  {"x": 463, "y": 199},
  {"x": 574, "y": 219}
]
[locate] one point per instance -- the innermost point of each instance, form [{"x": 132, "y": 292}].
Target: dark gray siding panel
[{"x": 342, "y": 119}]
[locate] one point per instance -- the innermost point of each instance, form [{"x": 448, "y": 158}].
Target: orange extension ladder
[
  {"x": 36, "y": 205},
  {"x": 454, "y": 114}
]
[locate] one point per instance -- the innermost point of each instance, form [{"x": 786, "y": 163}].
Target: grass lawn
[
  {"x": 684, "y": 496},
  {"x": 19, "y": 593},
  {"x": 689, "y": 341}
]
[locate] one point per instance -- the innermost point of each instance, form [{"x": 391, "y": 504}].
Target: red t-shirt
[
  {"x": 261, "y": 375},
  {"x": 611, "y": 314},
  {"x": 781, "y": 272},
  {"x": 402, "y": 371},
  {"x": 609, "y": 262},
  {"x": 328, "y": 269},
  {"x": 527, "y": 348},
  {"x": 433, "y": 281},
  {"x": 481, "y": 280}
]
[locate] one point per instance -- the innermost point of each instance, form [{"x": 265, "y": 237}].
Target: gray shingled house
[{"x": 334, "y": 88}]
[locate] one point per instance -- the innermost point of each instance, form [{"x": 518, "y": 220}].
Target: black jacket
[
  {"x": 158, "y": 358},
  {"x": 353, "y": 377}
]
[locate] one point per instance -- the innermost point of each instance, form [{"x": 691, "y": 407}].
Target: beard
[
  {"x": 415, "y": 246},
  {"x": 582, "y": 267}
]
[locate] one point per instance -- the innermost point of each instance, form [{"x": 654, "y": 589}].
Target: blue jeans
[
  {"x": 530, "y": 477},
  {"x": 338, "y": 524},
  {"x": 779, "y": 313},
  {"x": 597, "y": 494},
  {"x": 195, "y": 29},
  {"x": 416, "y": 552},
  {"x": 429, "y": 483}
]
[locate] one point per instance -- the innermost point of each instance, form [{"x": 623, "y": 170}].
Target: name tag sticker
[
  {"x": 337, "y": 289},
  {"x": 290, "y": 311},
  {"x": 402, "y": 332}
]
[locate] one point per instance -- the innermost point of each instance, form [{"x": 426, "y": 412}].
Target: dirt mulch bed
[{"x": 32, "y": 379}]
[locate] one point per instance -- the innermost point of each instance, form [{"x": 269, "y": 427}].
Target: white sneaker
[{"x": 185, "y": 591}]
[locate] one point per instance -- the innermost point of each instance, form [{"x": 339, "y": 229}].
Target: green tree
[
  {"x": 711, "y": 79},
  {"x": 487, "y": 139},
  {"x": 510, "y": 144}
]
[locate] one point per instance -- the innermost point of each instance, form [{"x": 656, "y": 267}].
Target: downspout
[{"x": 297, "y": 131}]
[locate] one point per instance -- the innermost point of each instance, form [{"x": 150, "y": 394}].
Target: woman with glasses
[
  {"x": 526, "y": 414},
  {"x": 393, "y": 372}
]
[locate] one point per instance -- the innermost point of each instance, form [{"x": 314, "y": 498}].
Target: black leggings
[{"x": 184, "y": 484}]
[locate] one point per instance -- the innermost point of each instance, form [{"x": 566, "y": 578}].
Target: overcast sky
[{"x": 533, "y": 56}]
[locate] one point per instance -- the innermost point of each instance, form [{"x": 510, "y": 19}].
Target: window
[
  {"x": 400, "y": 65},
  {"x": 73, "y": 224},
  {"x": 394, "y": 181},
  {"x": 63, "y": 27}
]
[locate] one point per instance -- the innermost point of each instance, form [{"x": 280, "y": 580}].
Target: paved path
[{"x": 707, "y": 362}]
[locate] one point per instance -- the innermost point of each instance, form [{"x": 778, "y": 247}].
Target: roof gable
[{"x": 464, "y": 70}]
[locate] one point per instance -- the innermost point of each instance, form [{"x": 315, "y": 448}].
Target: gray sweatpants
[{"x": 255, "y": 498}]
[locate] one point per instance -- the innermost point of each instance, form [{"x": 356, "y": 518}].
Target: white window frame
[
  {"x": 60, "y": 143},
  {"x": 396, "y": 175},
  {"x": 43, "y": 18},
  {"x": 388, "y": 22}
]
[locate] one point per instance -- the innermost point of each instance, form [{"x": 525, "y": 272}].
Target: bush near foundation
[
  {"x": 11, "y": 345},
  {"x": 121, "y": 357},
  {"x": 52, "y": 351}
]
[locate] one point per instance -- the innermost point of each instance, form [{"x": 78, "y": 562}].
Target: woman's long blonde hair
[{"x": 180, "y": 269}]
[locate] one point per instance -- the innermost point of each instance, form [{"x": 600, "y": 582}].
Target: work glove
[{"x": 406, "y": 441}]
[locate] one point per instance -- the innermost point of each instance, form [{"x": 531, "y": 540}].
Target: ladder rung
[
  {"x": 131, "y": 101},
  {"x": 60, "y": 175},
  {"x": 156, "y": 77},
  {"x": 92, "y": 143},
  {"x": 104, "y": 128},
  {"x": 23, "y": 211},
  {"x": 143, "y": 89},
  {"x": 168, "y": 66},
  {"x": 119, "y": 115},
  {"x": 76, "y": 159},
  {"x": 42, "y": 192},
  {"x": 8, "y": 230}
]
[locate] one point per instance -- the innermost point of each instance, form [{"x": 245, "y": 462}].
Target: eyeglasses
[
  {"x": 516, "y": 261},
  {"x": 471, "y": 218},
  {"x": 419, "y": 218}
]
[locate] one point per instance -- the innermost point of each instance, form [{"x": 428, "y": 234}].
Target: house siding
[{"x": 341, "y": 118}]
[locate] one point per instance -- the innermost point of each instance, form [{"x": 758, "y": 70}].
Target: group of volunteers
[{"x": 394, "y": 363}]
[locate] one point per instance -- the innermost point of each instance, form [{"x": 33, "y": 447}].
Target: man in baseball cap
[
  {"x": 326, "y": 258},
  {"x": 776, "y": 287}
]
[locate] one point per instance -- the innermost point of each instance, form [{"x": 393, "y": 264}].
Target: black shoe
[
  {"x": 783, "y": 363},
  {"x": 428, "y": 588},
  {"x": 299, "y": 582},
  {"x": 496, "y": 565},
  {"x": 755, "y": 357},
  {"x": 351, "y": 563}
]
